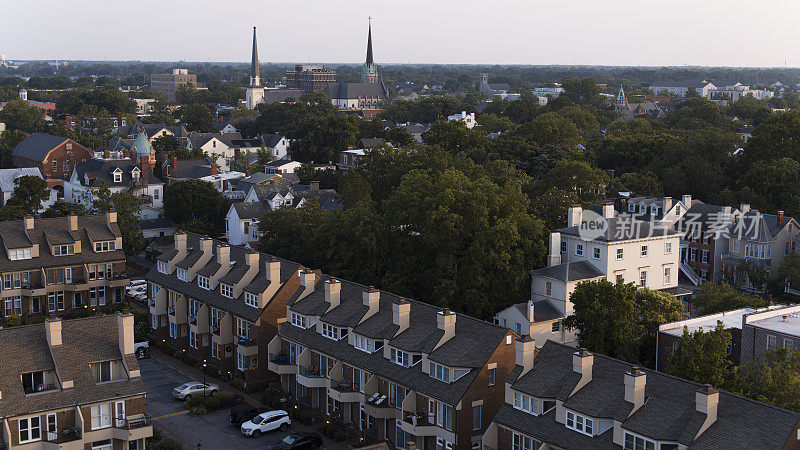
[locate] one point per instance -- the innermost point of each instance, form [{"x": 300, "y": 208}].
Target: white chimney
[
  {"x": 224, "y": 256},
  {"x": 667, "y": 204},
  {"x": 706, "y": 402},
  {"x": 608, "y": 210},
  {"x": 526, "y": 351},
  {"x": 574, "y": 215},
  {"x": 446, "y": 321},
  {"x": 401, "y": 315},
  {"x": 635, "y": 381},
  {"x": 744, "y": 208},
  {"x": 125, "y": 332},
  {"x": 554, "y": 255},
  {"x": 333, "y": 289},
  {"x": 687, "y": 201},
  {"x": 582, "y": 362},
  {"x": 530, "y": 315},
  {"x": 180, "y": 245},
  {"x": 52, "y": 326},
  {"x": 274, "y": 270},
  {"x": 252, "y": 258},
  {"x": 307, "y": 278}
]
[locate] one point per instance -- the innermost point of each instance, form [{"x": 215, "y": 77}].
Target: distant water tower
[{"x": 23, "y": 94}]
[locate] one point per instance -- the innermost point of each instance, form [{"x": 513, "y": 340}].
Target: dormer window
[
  {"x": 183, "y": 275},
  {"x": 136, "y": 173},
  {"x": 642, "y": 208},
  {"x": 634, "y": 441},
  {"x": 332, "y": 332},
  {"x": 399, "y": 357},
  {"x": 108, "y": 246},
  {"x": 524, "y": 402},
  {"x": 579, "y": 423},
  {"x": 162, "y": 267},
  {"x": 226, "y": 290},
  {"x": 63, "y": 250},
  {"x": 440, "y": 372},
  {"x": 203, "y": 282},
  {"x": 299, "y": 320},
  {"x": 251, "y": 299},
  {"x": 20, "y": 253},
  {"x": 364, "y": 344},
  {"x": 117, "y": 175}
]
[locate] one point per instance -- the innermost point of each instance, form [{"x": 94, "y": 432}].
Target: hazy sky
[{"x": 607, "y": 32}]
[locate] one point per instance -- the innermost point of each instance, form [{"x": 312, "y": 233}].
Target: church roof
[
  {"x": 370, "y": 61},
  {"x": 142, "y": 144}
]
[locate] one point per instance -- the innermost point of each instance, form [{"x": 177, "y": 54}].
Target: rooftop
[{"x": 784, "y": 320}]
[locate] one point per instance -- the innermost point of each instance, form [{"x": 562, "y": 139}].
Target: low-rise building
[
  {"x": 72, "y": 384},
  {"x": 219, "y": 303},
  {"x": 174, "y": 169},
  {"x": 468, "y": 119},
  {"x": 767, "y": 329},
  {"x": 281, "y": 167},
  {"x": 8, "y": 183},
  {"x": 398, "y": 369},
  {"x": 310, "y": 77},
  {"x": 54, "y": 156},
  {"x": 51, "y": 266},
  {"x": 562, "y": 397}
]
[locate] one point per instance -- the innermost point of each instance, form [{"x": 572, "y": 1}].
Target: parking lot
[{"x": 212, "y": 431}]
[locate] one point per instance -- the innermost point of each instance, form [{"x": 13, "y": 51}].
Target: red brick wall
[{"x": 65, "y": 160}]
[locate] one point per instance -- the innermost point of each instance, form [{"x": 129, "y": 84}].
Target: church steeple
[
  {"x": 622, "y": 101},
  {"x": 255, "y": 78},
  {"x": 370, "y": 72}
]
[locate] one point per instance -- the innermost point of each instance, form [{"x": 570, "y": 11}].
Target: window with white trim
[
  {"x": 399, "y": 357},
  {"x": 620, "y": 254},
  {"x": 192, "y": 339},
  {"x": 330, "y": 331},
  {"x": 30, "y": 429},
  {"x": 362, "y": 343},
  {"x": 20, "y": 253},
  {"x": 579, "y": 423},
  {"x": 183, "y": 274},
  {"x": 251, "y": 299},
  {"x": 548, "y": 288},
  {"x": 596, "y": 252},
  {"x": 108, "y": 246},
  {"x": 63, "y": 250},
  {"x": 667, "y": 248},
  {"x": 241, "y": 361},
  {"x": 525, "y": 402},
  {"x": 667, "y": 275},
  {"x": 226, "y": 290},
  {"x": 644, "y": 251},
  {"x": 522, "y": 442},
  {"x": 203, "y": 282},
  {"x": 162, "y": 267},
  {"x": 439, "y": 372},
  {"x": 643, "y": 278},
  {"x": 579, "y": 249},
  {"x": 299, "y": 320},
  {"x": 636, "y": 442},
  {"x": 772, "y": 341},
  {"x": 243, "y": 328}
]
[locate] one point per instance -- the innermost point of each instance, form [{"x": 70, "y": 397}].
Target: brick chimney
[
  {"x": 173, "y": 168},
  {"x": 72, "y": 222},
  {"x": 401, "y": 315},
  {"x": 780, "y": 218},
  {"x": 106, "y": 153},
  {"x": 307, "y": 278},
  {"x": 111, "y": 217},
  {"x": 333, "y": 290},
  {"x": 274, "y": 270},
  {"x": 145, "y": 168}
]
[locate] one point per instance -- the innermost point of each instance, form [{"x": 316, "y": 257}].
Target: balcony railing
[
  {"x": 215, "y": 331},
  {"x": 342, "y": 386},
  {"x": 39, "y": 388},
  {"x": 418, "y": 419},
  {"x": 130, "y": 423},
  {"x": 381, "y": 401},
  {"x": 60, "y": 437},
  {"x": 279, "y": 359},
  {"x": 247, "y": 341},
  {"x": 171, "y": 310},
  {"x": 310, "y": 372}
]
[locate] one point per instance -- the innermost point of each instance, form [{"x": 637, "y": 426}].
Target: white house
[
  {"x": 122, "y": 175},
  {"x": 468, "y": 119},
  {"x": 681, "y": 89},
  {"x": 281, "y": 167},
  {"x": 7, "y": 184},
  {"x": 277, "y": 145}
]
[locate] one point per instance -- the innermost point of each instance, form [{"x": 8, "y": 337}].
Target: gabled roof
[
  {"x": 83, "y": 341},
  {"x": 98, "y": 169},
  {"x": 625, "y": 227},
  {"x": 192, "y": 168},
  {"x": 9, "y": 176},
  {"x": 543, "y": 311},
  {"x": 668, "y": 414},
  {"x": 249, "y": 211},
  {"x": 38, "y": 145},
  {"x": 272, "y": 140},
  {"x": 570, "y": 271},
  {"x": 761, "y": 227}
]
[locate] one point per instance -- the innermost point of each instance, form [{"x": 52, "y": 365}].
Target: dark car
[
  {"x": 298, "y": 441},
  {"x": 244, "y": 412}
]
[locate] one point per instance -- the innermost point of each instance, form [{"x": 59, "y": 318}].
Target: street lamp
[{"x": 204, "y": 382}]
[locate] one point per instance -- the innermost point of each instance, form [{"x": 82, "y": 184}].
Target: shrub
[
  {"x": 208, "y": 404},
  {"x": 199, "y": 410},
  {"x": 227, "y": 399}
]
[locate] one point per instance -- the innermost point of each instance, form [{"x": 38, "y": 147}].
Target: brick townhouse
[
  {"x": 54, "y": 156},
  {"x": 219, "y": 303},
  {"x": 562, "y": 397},
  {"x": 54, "y": 265},
  {"x": 72, "y": 384},
  {"x": 401, "y": 370}
]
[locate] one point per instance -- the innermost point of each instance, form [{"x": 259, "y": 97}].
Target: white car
[
  {"x": 193, "y": 389},
  {"x": 265, "y": 422},
  {"x": 134, "y": 290},
  {"x": 138, "y": 282}
]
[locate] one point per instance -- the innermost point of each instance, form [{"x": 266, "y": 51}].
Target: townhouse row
[{"x": 51, "y": 266}]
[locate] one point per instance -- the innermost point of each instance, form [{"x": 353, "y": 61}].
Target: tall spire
[
  {"x": 369, "y": 44},
  {"x": 370, "y": 72},
  {"x": 255, "y": 78}
]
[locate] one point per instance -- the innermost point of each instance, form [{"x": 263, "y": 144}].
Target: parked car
[
  {"x": 141, "y": 349},
  {"x": 139, "y": 282},
  {"x": 134, "y": 290},
  {"x": 264, "y": 422},
  {"x": 141, "y": 297},
  {"x": 298, "y": 441},
  {"x": 192, "y": 389},
  {"x": 244, "y": 412}
]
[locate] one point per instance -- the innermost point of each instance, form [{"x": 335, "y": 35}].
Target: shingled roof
[
  {"x": 84, "y": 341},
  {"x": 38, "y": 145}
]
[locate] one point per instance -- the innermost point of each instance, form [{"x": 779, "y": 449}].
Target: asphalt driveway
[{"x": 212, "y": 431}]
